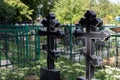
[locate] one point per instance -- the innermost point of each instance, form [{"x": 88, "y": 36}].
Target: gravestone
[
  {"x": 5, "y": 62},
  {"x": 90, "y": 23},
  {"x": 53, "y": 32}
]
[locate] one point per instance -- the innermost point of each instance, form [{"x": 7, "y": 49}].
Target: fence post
[{"x": 37, "y": 43}]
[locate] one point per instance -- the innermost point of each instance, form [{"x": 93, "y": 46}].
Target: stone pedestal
[
  {"x": 81, "y": 78},
  {"x": 49, "y": 74}
]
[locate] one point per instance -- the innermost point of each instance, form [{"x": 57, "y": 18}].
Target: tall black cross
[
  {"x": 90, "y": 22},
  {"x": 50, "y": 73}
]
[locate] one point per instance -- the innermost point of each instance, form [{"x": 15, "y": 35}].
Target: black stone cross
[
  {"x": 50, "y": 73},
  {"x": 90, "y": 23}
]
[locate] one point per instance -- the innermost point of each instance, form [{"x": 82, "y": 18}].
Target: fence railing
[
  {"x": 21, "y": 44},
  {"x": 18, "y": 44}
]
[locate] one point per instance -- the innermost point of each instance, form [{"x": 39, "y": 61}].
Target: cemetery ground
[{"x": 69, "y": 70}]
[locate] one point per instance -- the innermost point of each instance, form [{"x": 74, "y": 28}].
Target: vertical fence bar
[
  {"x": 0, "y": 53},
  {"x": 17, "y": 43},
  {"x": 27, "y": 42},
  {"x": 116, "y": 44},
  {"x": 70, "y": 28},
  {"x": 6, "y": 46},
  {"x": 38, "y": 44}
]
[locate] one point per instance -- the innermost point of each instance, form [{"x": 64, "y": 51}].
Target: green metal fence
[{"x": 19, "y": 44}]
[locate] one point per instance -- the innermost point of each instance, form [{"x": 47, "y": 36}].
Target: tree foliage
[
  {"x": 32, "y": 5},
  {"x": 69, "y": 11},
  {"x": 22, "y": 10},
  {"x": 6, "y": 11},
  {"x": 40, "y": 7},
  {"x": 14, "y": 10}
]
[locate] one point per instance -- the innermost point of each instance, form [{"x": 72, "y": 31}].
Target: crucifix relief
[{"x": 90, "y": 23}]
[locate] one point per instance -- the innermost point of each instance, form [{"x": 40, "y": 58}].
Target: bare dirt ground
[{"x": 112, "y": 61}]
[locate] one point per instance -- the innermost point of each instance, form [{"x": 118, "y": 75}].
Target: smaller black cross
[{"x": 51, "y": 23}]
